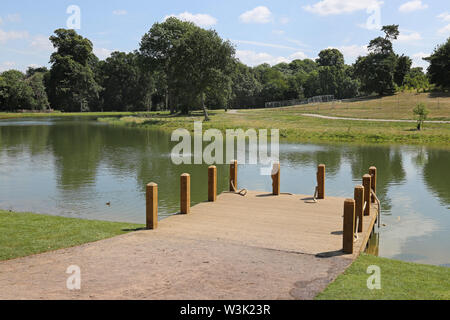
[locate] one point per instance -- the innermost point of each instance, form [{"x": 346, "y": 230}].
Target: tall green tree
[
  {"x": 439, "y": 69},
  {"x": 376, "y": 70},
  {"x": 245, "y": 87},
  {"x": 39, "y": 94},
  {"x": 204, "y": 66},
  {"x": 15, "y": 93},
  {"x": 158, "y": 48},
  {"x": 71, "y": 83},
  {"x": 127, "y": 84},
  {"x": 197, "y": 62},
  {"x": 402, "y": 68}
]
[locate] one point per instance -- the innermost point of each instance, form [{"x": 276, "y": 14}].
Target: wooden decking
[{"x": 293, "y": 223}]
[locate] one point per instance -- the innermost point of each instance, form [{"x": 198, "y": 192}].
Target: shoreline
[{"x": 292, "y": 122}]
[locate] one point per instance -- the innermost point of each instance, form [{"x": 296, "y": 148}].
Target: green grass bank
[
  {"x": 24, "y": 234},
  {"x": 399, "y": 281}
]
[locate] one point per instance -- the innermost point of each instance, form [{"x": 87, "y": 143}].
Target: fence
[{"x": 295, "y": 102}]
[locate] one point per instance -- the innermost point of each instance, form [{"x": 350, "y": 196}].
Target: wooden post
[
  {"x": 373, "y": 173},
  {"x": 185, "y": 202},
  {"x": 349, "y": 226},
  {"x": 367, "y": 183},
  {"x": 152, "y": 206},
  {"x": 212, "y": 183},
  {"x": 359, "y": 207},
  {"x": 276, "y": 179},
  {"x": 321, "y": 181},
  {"x": 233, "y": 175}
]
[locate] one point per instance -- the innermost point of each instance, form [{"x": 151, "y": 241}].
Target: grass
[
  {"x": 397, "y": 107},
  {"x": 399, "y": 281},
  {"x": 296, "y": 127},
  {"x": 15, "y": 115},
  {"x": 23, "y": 234}
]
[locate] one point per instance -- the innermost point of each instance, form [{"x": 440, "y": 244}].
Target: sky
[{"x": 262, "y": 31}]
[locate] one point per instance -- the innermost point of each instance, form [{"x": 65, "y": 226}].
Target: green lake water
[{"x": 72, "y": 167}]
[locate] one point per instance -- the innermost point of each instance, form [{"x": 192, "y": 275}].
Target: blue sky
[{"x": 263, "y": 31}]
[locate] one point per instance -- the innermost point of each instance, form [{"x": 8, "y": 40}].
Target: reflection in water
[
  {"x": 436, "y": 173},
  {"x": 373, "y": 247},
  {"x": 73, "y": 167}
]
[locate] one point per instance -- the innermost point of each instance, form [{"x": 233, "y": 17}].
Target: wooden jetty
[{"x": 319, "y": 225}]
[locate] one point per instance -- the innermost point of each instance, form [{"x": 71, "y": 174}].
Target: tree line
[{"x": 181, "y": 67}]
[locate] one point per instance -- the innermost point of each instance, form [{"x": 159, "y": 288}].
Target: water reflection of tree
[
  {"x": 15, "y": 139},
  {"x": 389, "y": 163},
  {"x": 436, "y": 174},
  {"x": 77, "y": 148},
  {"x": 331, "y": 157}
]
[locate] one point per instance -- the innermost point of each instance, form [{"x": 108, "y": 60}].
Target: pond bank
[{"x": 296, "y": 127}]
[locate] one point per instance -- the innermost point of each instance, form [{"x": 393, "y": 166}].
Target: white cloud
[
  {"x": 445, "y": 30},
  {"x": 12, "y": 35},
  {"x": 444, "y": 16},
  {"x": 120, "y": 12},
  {"x": 13, "y": 17},
  {"x": 253, "y": 58},
  {"x": 278, "y": 32},
  {"x": 201, "y": 20},
  {"x": 102, "y": 53},
  {"x": 41, "y": 43},
  {"x": 264, "y": 44},
  {"x": 352, "y": 52},
  {"x": 411, "y": 37},
  {"x": 330, "y": 7},
  {"x": 285, "y": 20},
  {"x": 298, "y": 55},
  {"x": 418, "y": 61},
  {"x": 411, "y": 6},
  {"x": 7, "y": 65},
  {"x": 258, "y": 15},
  {"x": 34, "y": 66}
]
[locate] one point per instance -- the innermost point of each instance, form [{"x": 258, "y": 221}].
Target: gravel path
[{"x": 372, "y": 120}]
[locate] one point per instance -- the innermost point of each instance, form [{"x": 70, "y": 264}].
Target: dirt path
[
  {"x": 143, "y": 266},
  {"x": 372, "y": 120},
  {"x": 284, "y": 248}
]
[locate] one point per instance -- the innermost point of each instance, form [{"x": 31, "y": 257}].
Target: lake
[{"x": 73, "y": 167}]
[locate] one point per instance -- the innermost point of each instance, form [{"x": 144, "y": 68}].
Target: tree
[
  {"x": 421, "y": 112},
  {"x": 245, "y": 88},
  {"x": 71, "y": 83},
  {"x": 197, "y": 63},
  {"x": 439, "y": 69},
  {"x": 416, "y": 79},
  {"x": 39, "y": 95},
  {"x": 204, "y": 66},
  {"x": 331, "y": 58},
  {"x": 332, "y": 74},
  {"x": 376, "y": 70},
  {"x": 15, "y": 93},
  {"x": 402, "y": 68},
  {"x": 158, "y": 48},
  {"x": 127, "y": 85}
]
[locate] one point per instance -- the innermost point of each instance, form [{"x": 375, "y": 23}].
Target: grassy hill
[{"x": 399, "y": 106}]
